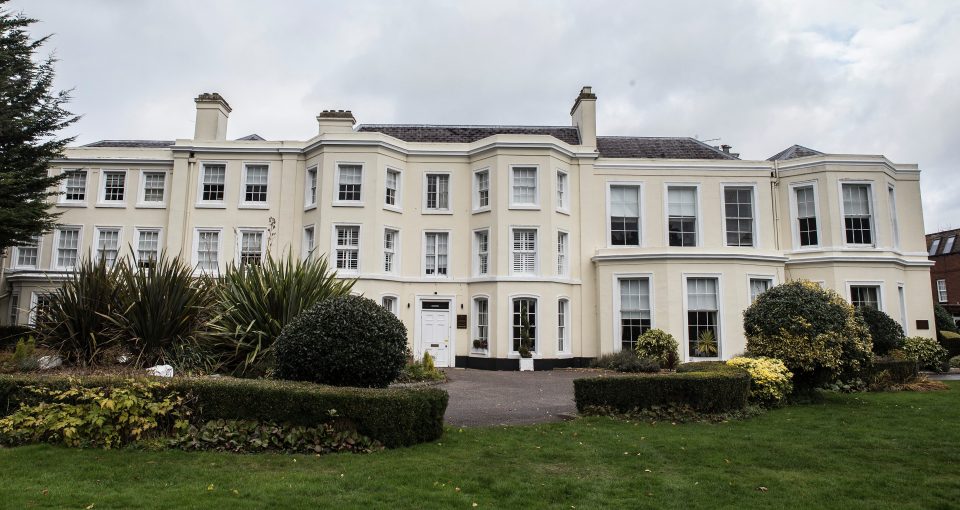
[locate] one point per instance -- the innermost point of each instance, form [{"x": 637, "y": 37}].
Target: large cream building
[{"x": 455, "y": 228}]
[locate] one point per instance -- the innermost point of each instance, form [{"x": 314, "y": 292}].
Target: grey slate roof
[
  {"x": 252, "y": 138},
  {"x": 467, "y": 134},
  {"x": 943, "y": 236},
  {"x": 794, "y": 151},
  {"x": 139, "y": 144},
  {"x": 657, "y": 148}
]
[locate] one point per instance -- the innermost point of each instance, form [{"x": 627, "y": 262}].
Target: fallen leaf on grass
[{"x": 762, "y": 489}]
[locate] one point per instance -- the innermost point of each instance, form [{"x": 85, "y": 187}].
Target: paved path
[{"x": 486, "y": 397}]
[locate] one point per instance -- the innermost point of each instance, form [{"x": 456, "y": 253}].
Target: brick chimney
[
  {"x": 336, "y": 121},
  {"x": 584, "y": 116},
  {"x": 212, "y": 114}
]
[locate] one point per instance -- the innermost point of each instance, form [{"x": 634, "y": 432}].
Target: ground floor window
[
  {"x": 759, "y": 286},
  {"x": 524, "y": 319},
  {"x": 14, "y": 308},
  {"x": 40, "y": 309},
  {"x": 865, "y": 295},
  {"x": 703, "y": 333},
  {"x": 634, "y": 310},
  {"x": 563, "y": 325},
  {"x": 390, "y": 303},
  {"x": 481, "y": 310}
]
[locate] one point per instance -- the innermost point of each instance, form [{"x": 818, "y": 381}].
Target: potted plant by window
[
  {"x": 706, "y": 345},
  {"x": 480, "y": 345},
  {"x": 526, "y": 357}
]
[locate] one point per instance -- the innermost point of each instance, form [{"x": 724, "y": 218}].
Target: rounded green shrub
[
  {"x": 928, "y": 353},
  {"x": 660, "y": 346},
  {"x": 343, "y": 341},
  {"x": 885, "y": 332},
  {"x": 770, "y": 381},
  {"x": 814, "y": 331}
]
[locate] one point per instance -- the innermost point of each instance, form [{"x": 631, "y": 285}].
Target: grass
[{"x": 879, "y": 450}]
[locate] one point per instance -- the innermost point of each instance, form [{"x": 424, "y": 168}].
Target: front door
[{"x": 435, "y": 331}]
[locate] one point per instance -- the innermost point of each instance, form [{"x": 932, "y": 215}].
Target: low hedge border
[
  {"x": 393, "y": 416},
  {"x": 951, "y": 342},
  {"x": 898, "y": 371},
  {"x": 707, "y": 387}
]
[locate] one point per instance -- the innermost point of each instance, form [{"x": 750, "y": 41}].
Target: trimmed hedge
[
  {"x": 393, "y": 416},
  {"x": 899, "y": 371},
  {"x": 707, "y": 387},
  {"x": 951, "y": 342}
]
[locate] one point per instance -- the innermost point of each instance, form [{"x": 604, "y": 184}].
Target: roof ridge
[{"x": 466, "y": 126}]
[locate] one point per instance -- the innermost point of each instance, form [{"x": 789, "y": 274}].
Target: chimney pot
[
  {"x": 212, "y": 114},
  {"x": 584, "y": 116},
  {"x": 726, "y": 148}
]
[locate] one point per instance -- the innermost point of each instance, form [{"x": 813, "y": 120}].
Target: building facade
[
  {"x": 944, "y": 251},
  {"x": 457, "y": 229}
]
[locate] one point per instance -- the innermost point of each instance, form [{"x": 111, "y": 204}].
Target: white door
[{"x": 435, "y": 335}]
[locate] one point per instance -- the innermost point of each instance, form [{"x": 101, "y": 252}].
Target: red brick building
[{"x": 944, "y": 250}]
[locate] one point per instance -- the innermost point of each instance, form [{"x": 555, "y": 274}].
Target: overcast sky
[{"x": 844, "y": 77}]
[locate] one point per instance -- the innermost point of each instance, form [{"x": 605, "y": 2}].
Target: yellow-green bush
[{"x": 770, "y": 381}]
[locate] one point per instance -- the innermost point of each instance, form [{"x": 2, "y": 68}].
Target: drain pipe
[{"x": 775, "y": 203}]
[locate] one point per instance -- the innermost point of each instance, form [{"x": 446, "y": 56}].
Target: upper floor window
[
  {"x": 114, "y": 186},
  {"x": 309, "y": 239},
  {"x": 634, "y": 311},
  {"x": 251, "y": 247},
  {"x": 481, "y": 239},
  {"x": 738, "y": 211},
  {"x": 759, "y": 286},
  {"x": 208, "y": 250},
  {"x": 563, "y": 195},
  {"x": 148, "y": 246},
  {"x": 563, "y": 254},
  {"x": 154, "y": 184},
  {"x": 28, "y": 255},
  {"x": 857, "y": 217},
  {"x": 523, "y": 186},
  {"x": 481, "y": 189},
  {"x": 438, "y": 192},
  {"x": 212, "y": 183},
  {"x": 68, "y": 247},
  {"x": 806, "y": 216},
  {"x": 436, "y": 249},
  {"x": 894, "y": 225},
  {"x": 390, "y": 237},
  {"x": 108, "y": 245},
  {"x": 348, "y": 247},
  {"x": 391, "y": 196},
  {"x": 349, "y": 180},
  {"x": 74, "y": 186},
  {"x": 934, "y": 246},
  {"x": 682, "y": 215},
  {"x": 310, "y": 193},
  {"x": 255, "y": 184},
  {"x": 942, "y": 291},
  {"x": 625, "y": 215},
  {"x": 523, "y": 251},
  {"x": 524, "y": 321},
  {"x": 948, "y": 248},
  {"x": 865, "y": 295},
  {"x": 703, "y": 316}
]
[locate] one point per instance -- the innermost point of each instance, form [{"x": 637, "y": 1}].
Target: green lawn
[{"x": 896, "y": 450}]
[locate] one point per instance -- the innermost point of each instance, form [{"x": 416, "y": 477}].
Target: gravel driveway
[{"x": 486, "y": 397}]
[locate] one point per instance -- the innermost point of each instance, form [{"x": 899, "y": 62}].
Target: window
[
  {"x": 40, "y": 309},
  {"x": 947, "y": 248},
  {"x": 108, "y": 245},
  {"x": 865, "y": 295},
  {"x": 255, "y": 184},
  {"x": 349, "y": 178},
  {"x": 309, "y": 239},
  {"x": 435, "y": 253},
  {"x": 390, "y": 303},
  {"x": 482, "y": 189},
  {"x": 212, "y": 184},
  {"x": 348, "y": 247},
  {"x": 894, "y": 227},
  {"x": 563, "y": 254},
  {"x": 68, "y": 247},
  {"x": 393, "y": 186},
  {"x": 942, "y": 291},
  {"x": 310, "y": 192},
  {"x": 148, "y": 246},
  {"x": 703, "y": 333},
  {"x": 934, "y": 246},
  {"x": 208, "y": 250},
  {"x": 390, "y": 237},
  {"x": 807, "y": 216},
  {"x": 562, "y": 193},
  {"x": 438, "y": 192},
  {"x": 738, "y": 212},
  {"x": 154, "y": 184},
  {"x": 481, "y": 239},
  {"x": 759, "y": 286},
  {"x": 524, "y": 318},
  {"x": 481, "y": 336},
  {"x": 75, "y": 186},
  {"x": 563, "y": 325},
  {"x": 682, "y": 215},
  {"x": 28, "y": 255},
  {"x": 114, "y": 185},
  {"x": 625, "y": 215},
  {"x": 634, "y": 311},
  {"x": 14, "y": 309},
  {"x": 857, "y": 217},
  {"x": 524, "y": 187},
  {"x": 251, "y": 247},
  {"x": 524, "y": 251}
]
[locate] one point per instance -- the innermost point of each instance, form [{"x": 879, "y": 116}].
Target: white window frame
[
  {"x": 398, "y": 198},
  {"x": 475, "y": 186},
  {"x": 54, "y": 259},
  {"x": 310, "y": 197},
  {"x": 721, "y": 336},
  {"x": 334, "y": 247},
  {"x": 423, "y": 258},
  {"x": 772, "y": 278},
  {"x": 62, "y": 198},
  {"x": 617, "y": 333},
  {"x": 537, "y": 343},
  {"x": 138, "y": 232},
  {"x": 536, "y": 190},
  {"x": 307, "y": 245},
  {"x": 564, "y": 341},
  {"x": 892, "y": 211},
  {"x": 753, "y": 210},
  {"x": 536, "y": 247},
  {"x": 942, "y": 291},
  {"x": 15, "y": 255},
  {"x": 196, "y": 249},
  {"x": 102, "y": 188},
  {"x": 475, "y": 324},
  {"x": 881, "y": 295},
  {"x": 142, "y": 189},
  {"x": 640, "y": 226},
  {"x": 211, "y": 204},
  {"x": 13, "y": 312},
  {"x": 698, "y": 218},
  {"x": 98, "y": 231},
  {"x": 238, "y": 242},
  {"x": 871, "y": 203},
  {"x": 563, "y": 255},
  {"x": 32, "y": 312},
  {"x": 795, "y": 217},
  {"x": 396, "y": 249},
  {"x": 563, "y": 200},
  {"x": 336, "y": 185},
  {"x": 476, "y": 252},
  {"x": 395, "y": 309},
  {"x": 437, "y": 210},
  {"x": 244, "y": 204}
]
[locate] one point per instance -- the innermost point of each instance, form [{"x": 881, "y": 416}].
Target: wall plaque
[{"x": 462, "y": 321}]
